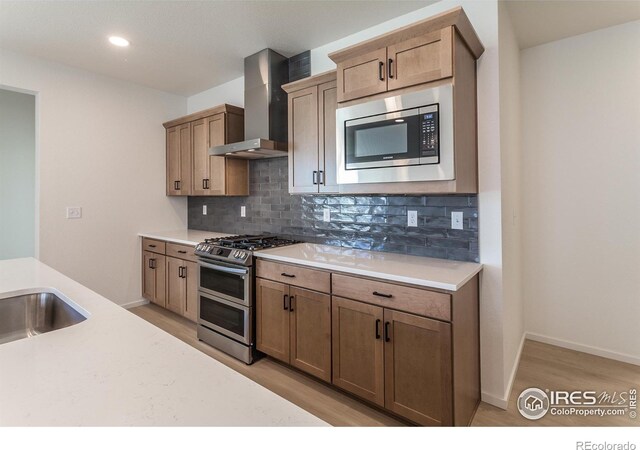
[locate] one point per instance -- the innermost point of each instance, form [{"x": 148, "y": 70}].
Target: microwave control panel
[{"x": 429, "y": 132}]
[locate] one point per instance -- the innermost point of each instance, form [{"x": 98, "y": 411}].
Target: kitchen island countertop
[{"x": 115, "y": 369}]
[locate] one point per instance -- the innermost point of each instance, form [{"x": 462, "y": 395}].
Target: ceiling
[
  {"x": 182, "y": 47},
  {"x": 537, "y": 22}
]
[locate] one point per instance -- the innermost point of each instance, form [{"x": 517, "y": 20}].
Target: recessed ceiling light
[{"x": 119, "y": 41}]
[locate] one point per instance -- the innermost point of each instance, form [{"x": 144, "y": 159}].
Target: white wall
[
  {"x": 101, "y": 147},
  {"x": 17, "y": 174},
  {"x": 511, "y": 175},
  {"x": 581, "y": 169},
  {"x": 484, "y": 17}
]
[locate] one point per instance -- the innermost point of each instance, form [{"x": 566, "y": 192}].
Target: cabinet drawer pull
[
  {"x": 380, "y": 71},
  {"x": 288, "y": 275},
  {"x": 181, "y": 251},
  {"x": 380, "y": 294},
  {"x": 389, "y": 68},
  {"x": 284, "y": 302},
  {"x": 377, "y": 328},
  {"x": 152, "y": 245},
  {"x": 387, "y": 338}
]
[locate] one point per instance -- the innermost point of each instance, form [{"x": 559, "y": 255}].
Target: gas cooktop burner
[{"x": 237, "y": 249}]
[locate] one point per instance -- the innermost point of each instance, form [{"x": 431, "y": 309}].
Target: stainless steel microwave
[{"x": 407, "y": 137}]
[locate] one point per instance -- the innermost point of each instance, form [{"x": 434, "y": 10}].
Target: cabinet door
[
  {"x": 421, "y": 59},
  {"x": 417, "y": 357},
  {"x": 272, "y": 319},
  {"x": 327, "y": 105},
  {"x": 153, "y": 278},
  {"x": 358, "y": 364},
  {"x": 200, "y": 155},
  {"x": 362, "y": 75},
  {"x": 303, "y": 140},
  {"x": 311, "y": 332},
  {"x": 176, "y": 285},
  {"x": 179, "y": 160},
  {"x": 191, "y": 304},
  {"x": 217, "y": 164}
]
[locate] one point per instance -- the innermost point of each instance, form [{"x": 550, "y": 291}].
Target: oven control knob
[
  {"x": 242, "y": 255},
  {"x": 219, "y": 251}
]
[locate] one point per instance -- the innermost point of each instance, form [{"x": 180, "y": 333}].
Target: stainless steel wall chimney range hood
[{"x": 265, "y": 109}]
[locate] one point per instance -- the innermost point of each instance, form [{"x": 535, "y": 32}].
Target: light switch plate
[
  {"x": 326, "y": 215},
  {"x": 456, "y": 220},
  {"x": 243, "y": 211},
  {"x": 204, "y": 210},
  {"x": 412, "y": 218},
  {"x": 74, "y": 212}
]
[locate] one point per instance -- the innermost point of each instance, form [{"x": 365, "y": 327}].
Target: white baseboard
[
  {"x": 135, "y": 303},
  {"x": 584, "y": 348},
  {"x": 503, "y": 402}
]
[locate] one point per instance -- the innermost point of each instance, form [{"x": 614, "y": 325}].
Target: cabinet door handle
[
  {"x": 152, "y": 263},
  {"x": 284, "y": 302},
  {"x": 208, "y": 184},
  {"x": 389, "y": 67},
  {"x": 380, "y": 71},
  {"x": 291, "y": 299},
  {"x": 288, "y": 275},
  {"x": 321, "y": 172},
  {"x": 380, "y": 294},
  {"x": 377, "y": 328},
  {"x": 315, "y": 177},
  {"x": 181, "y": 272},
  {"x": 387, "y": 338}
]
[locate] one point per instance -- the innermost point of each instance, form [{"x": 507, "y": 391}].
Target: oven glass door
[
  {"x": 384, "y": 140},
  {"x": 228, "y": 318},
  {"x": 228, "y": 282}
]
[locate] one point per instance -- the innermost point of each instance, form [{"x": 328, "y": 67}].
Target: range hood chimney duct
[{"x": 265, "y": 109}]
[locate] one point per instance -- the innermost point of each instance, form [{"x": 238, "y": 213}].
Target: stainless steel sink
[{"x": 28, "y": 315}]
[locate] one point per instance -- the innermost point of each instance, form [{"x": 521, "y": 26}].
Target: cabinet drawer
[
  {"x": 152, "y": 245},
  {"x": 394, "y": 296},
  {"x": 316, "y": 280},
  {"x": 181, "y": 251}
]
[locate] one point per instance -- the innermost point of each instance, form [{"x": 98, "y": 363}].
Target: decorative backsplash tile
[{"x": 371, "y": 222}]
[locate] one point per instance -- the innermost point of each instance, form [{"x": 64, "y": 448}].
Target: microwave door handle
[{"x": 225, "y": 269}]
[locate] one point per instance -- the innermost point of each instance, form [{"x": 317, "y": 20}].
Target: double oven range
[{"x": 226, "y": 304}]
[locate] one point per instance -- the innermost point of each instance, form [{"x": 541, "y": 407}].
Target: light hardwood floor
[{"x": 541, "y": 365}]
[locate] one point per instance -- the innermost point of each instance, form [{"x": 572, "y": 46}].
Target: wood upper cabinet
[
  {"x": 203, "y": 174},
  {"x": 272, "y": 318},
  {"x": 179, "y": 159},
  {"x": 153, "y": 277},
  {"x": 417, "y": 368},
  {"x": 358, "y": 349},
  {"x": 420, "y": 60},
  {"x": 418, "y": 53},
  {"x": 362, "y": 75},
  {"x": 312, "y": 134},
  {"x": 310, "y": 332}
]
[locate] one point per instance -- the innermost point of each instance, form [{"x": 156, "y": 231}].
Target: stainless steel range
[{"x": 226, "y": 318}]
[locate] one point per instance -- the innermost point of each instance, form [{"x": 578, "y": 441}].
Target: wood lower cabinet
[
  {"x": 190, "y": 168},
  {"x": 417, "y": 368},
  {"x": 294, "y": 326},
  {"x": 312, "y": 134},
  {"x": 153, "y": 277},
  {"x": 358, "y": 349},
  {"x": 170, "y": 281}
]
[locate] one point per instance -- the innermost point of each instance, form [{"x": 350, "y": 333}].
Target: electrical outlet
[
  {"x": 243, "y": 211},
  {"x": 326, "y": 215},
  {"x": 412, "y": 218},
  {"x": 74, "y": 212},
  {"x": 204, "y": 210},
  {"x": 456, "y": 220}
]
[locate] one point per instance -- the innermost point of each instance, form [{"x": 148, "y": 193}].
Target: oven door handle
[{"x": 225, "y": 269}]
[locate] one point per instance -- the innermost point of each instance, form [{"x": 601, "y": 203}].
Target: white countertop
[
  {"x": 115, "y": 369},
  {"x": 187, "y": 237},
  {"x": 417, "y": 270}
]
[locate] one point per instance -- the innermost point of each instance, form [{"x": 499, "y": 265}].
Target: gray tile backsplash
[{"x": 371, "y": 222}]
